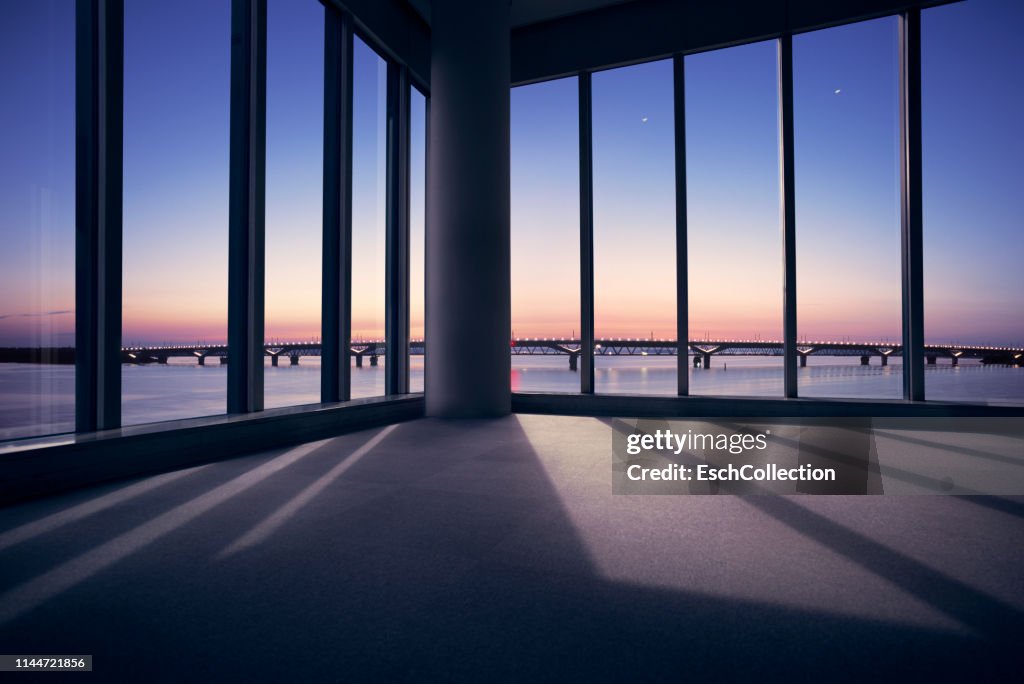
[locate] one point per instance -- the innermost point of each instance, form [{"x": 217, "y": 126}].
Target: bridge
[
  {"x": 293, "y": 351},
  {"x": 702, "y": 351}
]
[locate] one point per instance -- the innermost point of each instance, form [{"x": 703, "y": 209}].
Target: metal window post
[
  {"x": 911, "y": 214},
  {"x": 99, "y": 118},
  {"x": 246, "y": 240},
  {"x": 336, "y": 317},
  {"x": 788, "y": 212},
  {"x": 682, "y": 263},
  {"x": 426, "y": 229},
  {"x": 396, "y": 377},
  {"x": 586, "y": 236}
]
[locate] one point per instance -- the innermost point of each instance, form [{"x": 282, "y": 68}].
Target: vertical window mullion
[
  {"x": 246, "y": 239},
  {"x": 682, "y": 263},
  {"x": 788, "y": 213},
  {"x": 396, "y": 309},
  {"x": 98, "y": 212},
  {"x": 586, "y": 234},
  {"x": 911, "y": 213},
  {"x": 336, "y": 315}
]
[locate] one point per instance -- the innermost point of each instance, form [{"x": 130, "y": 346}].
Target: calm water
[
  {"x": 38, "y": 399},
  {"x": 834, "y": 377}
]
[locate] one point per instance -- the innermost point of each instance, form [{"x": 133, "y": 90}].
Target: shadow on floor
[{"x": 430, "y": 550}]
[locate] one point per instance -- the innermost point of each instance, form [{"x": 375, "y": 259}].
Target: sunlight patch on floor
[{"x": 717, "y": 546}]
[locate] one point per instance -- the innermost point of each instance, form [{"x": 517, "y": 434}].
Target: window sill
[{"x": 44, "y": 465}]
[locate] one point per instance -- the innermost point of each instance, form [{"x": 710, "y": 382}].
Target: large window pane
[
  {"x": 369, "y": 161},
  {"x": 177, "y": 58},
  {"x": 294, "y": 226},
  {"x": 634, "y": 229},
  {"x": 545, "y": 236},
  {"x": 417, "y": 235},
  {"x": 734, "y": 240},
  {"x": 37, "y": 218},
  {"x": 973, "y": 103},
  {"x": 846, "y": 123}
]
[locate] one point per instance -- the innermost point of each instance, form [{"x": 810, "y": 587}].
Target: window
[
  {"x": 417, "y": 236},
  {"x": 634, "y": 229},
  {"x": 176, "y": 136},
  {"x": 973, "y": 102},
  {"x": 846, "y": 140},
  {"x": 369, "y": 161},
  {"x": 294, "y": 209},
  {"x": 734, "y": 242},
  {"x": 37, "y": 219},
  {"x": 545, "y": 237}
]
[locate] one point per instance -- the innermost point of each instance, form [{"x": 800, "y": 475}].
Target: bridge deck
[{"x": 550, "y": 346}]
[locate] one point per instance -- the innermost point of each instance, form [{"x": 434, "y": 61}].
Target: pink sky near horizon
[{"x": 535, "y": 314}]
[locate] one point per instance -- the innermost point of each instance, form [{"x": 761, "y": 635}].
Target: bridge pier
[
  {"x": 373, "y": 359},
  {"x": 696, "y": 361},
  {"x": 273, "y": 360},
  {"x": 359, "y": 360},
  {"x": 803, "y": 360},
  {"x": 706, "y": 360},
  {"x": 865, "y": 360},
  {"x": 574, "y": 361},
  {"x": 223, "y": 360},
  {"x": 202, "y": 360},
  {"x": 161, "y": 359},
  {"x": 293, "y": 359},
  {"x": 930, "y": 359},
  {"x": 885, "y": 360},
  {"x": 956, "y": 360}
]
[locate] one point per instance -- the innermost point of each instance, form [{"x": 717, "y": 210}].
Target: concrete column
[
  {"x": 865, "y": 360},
  {"x": 803, "y": 360},
  {"x": 885, "y": 360},
  {"x": 468, "y": 288},
  {"x": 931, "y": 359},
  {"x": 706, "y": 360},
  {"x": 294, "y": 359},
  {"x": 273, "y": 360},
  {"x": 956, "y": 360}
]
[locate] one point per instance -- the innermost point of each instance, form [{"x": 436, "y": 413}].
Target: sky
[
  {"x": 847, "y": 201},
  {"x": 847, "y": 188}
]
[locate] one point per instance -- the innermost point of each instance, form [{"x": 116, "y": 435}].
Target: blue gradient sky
[
  {"x": 847, "y": 177},
  {"x": 176, "y": 180}
]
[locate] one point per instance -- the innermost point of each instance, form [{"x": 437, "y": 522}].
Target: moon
[
  {"x": 837, "y": 91},
  {"x": 643, "y": 120}
]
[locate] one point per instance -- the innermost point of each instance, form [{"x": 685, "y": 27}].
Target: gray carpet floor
[{"x": 495, "y": 550}]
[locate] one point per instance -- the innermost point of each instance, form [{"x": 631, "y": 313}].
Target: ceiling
[{"x": 525, "y": 12}]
